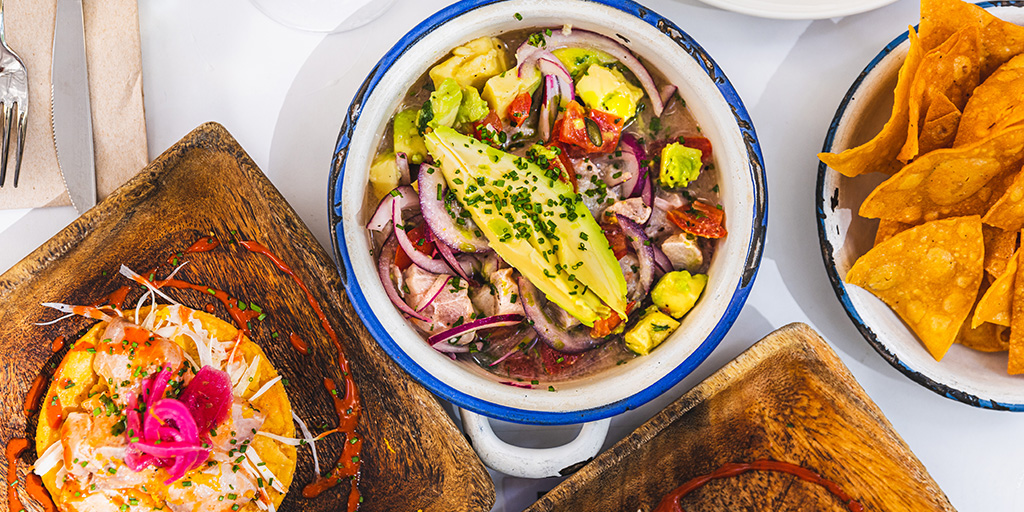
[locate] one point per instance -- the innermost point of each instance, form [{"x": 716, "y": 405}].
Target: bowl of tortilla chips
[{"x": 920, "y": 202}]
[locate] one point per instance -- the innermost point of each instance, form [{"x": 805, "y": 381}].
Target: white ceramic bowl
[
  {"x": 712, "y": 101},
  {"x": 972, "y": 377}
]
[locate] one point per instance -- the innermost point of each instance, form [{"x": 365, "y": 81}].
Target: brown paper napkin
[{"x": 115, "y": 90}]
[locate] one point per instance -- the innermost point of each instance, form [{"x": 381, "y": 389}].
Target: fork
[{"x": 13, "y": 103}]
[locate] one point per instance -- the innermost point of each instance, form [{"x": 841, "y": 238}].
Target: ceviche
[{"x": 546, "y": 205}]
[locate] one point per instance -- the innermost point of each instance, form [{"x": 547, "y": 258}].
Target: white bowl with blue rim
[
  {"x": 723, "y": 119},
  {"x": 966, "y": 375}
]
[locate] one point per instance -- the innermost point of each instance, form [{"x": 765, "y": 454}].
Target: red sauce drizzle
[
  {"x": 15, "y": 447},
  {"x": 55, "y": 410},
  {"x": 260, "y": 249},
  {"x": 34, "y": 486},
  {"x": 209, "y": 308},
  {"x": 298, "y": 344},
  {"x": 204, "y": 244},
  {"x": 34, "y": 394},
  {"x": 347, "y": 407},
  {"x": 117, "y": 297},
  {"x": 240, "y": 316},
  {"x": 670, "y": 503},
  {"x": 58, "y": 343}
]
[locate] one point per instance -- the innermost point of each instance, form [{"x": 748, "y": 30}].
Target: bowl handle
[{"x": 533, "y": 462}]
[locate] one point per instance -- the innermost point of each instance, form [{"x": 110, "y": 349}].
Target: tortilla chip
[
  {"x": 985, "y": 338},
  {"x": 994, "y": 306},
  {"x": 1016, "y": 360},
  {"x": 929, "y": 275},
  {"x": 949, "y": 182},
  {"x": 879, "y": 153},
  {"x": 1008, "y": 211},
  {"x": 995, "y": 105},
  {"x": 999, "y": 248},
  {"x": 1000, "y": 40},
  {"x": 888, "y": 229},
  {"x": 940, "y": 125},
  {"x": 951, "y": 71}
]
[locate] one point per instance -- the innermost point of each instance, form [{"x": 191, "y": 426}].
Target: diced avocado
[
  {"x": 500, "y": 90},
  {"x": 607, "y": 90},
  {"x": 534, "y": 222},
  {"x": 650, "y": 331},
  {"x": 679, "y": 165},
  {"x": 473, "y": 107},
  {"x": 383, "y": 175},
  {"x": 677, "y": 292},
  {"x": 443, "y": 106},
  {"x": 472, "y": 63},
  {"x": 578, "y": 59},
  {"x": 407, "y": 136}
]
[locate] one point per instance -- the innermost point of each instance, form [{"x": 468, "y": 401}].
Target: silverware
[
  {"x": 72, "y": 117},
  {"x": 13, "y": 103}
]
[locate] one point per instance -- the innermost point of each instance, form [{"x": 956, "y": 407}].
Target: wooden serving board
[
  {"x": 413, "y": 456},
  {"x": 788, "y": 398}
]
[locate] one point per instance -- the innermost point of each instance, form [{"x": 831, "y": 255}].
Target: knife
[{"x": 72, "y": 117}]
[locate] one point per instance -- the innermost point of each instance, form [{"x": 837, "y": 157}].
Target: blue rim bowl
[
  {"x": 965, "y": 375},
  {"x": 734, "y": 266}
]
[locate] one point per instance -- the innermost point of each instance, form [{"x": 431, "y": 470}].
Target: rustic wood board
[
  {"x": 414, "y": 457},
  {"x": 787, "y": 398}
]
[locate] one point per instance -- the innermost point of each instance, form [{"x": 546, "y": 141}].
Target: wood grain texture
[
  {"x": 414, "y": 457},
  {"x": 787, "y": 398}
]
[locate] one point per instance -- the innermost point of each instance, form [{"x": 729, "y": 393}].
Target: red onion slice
[
  {"x": 525, "y": 345},
  {"x": 549, "y": 110},
  {"x": 171, "y": 410},
  {"x": 403, "y": 168},
  {"x": 633, "y": 153},
  {"x": 590, "y": 40},
  {"x": 384, "y": 263},
  {"x": 434, "y": 291},
  {"x": 648, "y": 193},
  {"x": 418, "y": 258},
  {"x": 644, "y": 252},
  {"x": 208, "y": 397},
  {"x": 444, "y": 228},
  {"x": 666, "y": 93},
  {"x": 476, "y": 325},
  {"x": 661, "y": 260},
  {"x": 448, "y": 348},
  {"x": 555, "y": 337},
  {"x": 448, "y": 256},
  {"x": 550, "y": 66},
  {"x": 383, "y": 214}
]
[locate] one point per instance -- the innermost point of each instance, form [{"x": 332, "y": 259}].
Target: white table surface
[{"x": 282, "y": 93}]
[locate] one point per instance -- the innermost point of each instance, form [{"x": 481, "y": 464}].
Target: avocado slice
[{"x": 534, "y": 222}]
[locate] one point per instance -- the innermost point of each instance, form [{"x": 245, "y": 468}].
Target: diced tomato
[
  {"x": 571, "y": 128},
  {"x": 556, "y": 362},
  {"x": 519, "y": 109},
  {"x": 606, "y": 325},
  {"x": 418, "y": 235},
  {"x": 567, "y": 173},
  {"x": 701, "y": 143},
  {"x": 616, "y": 238},
  {"x": 699, "y": 219},
  {"x": 487, "y": 127}
]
